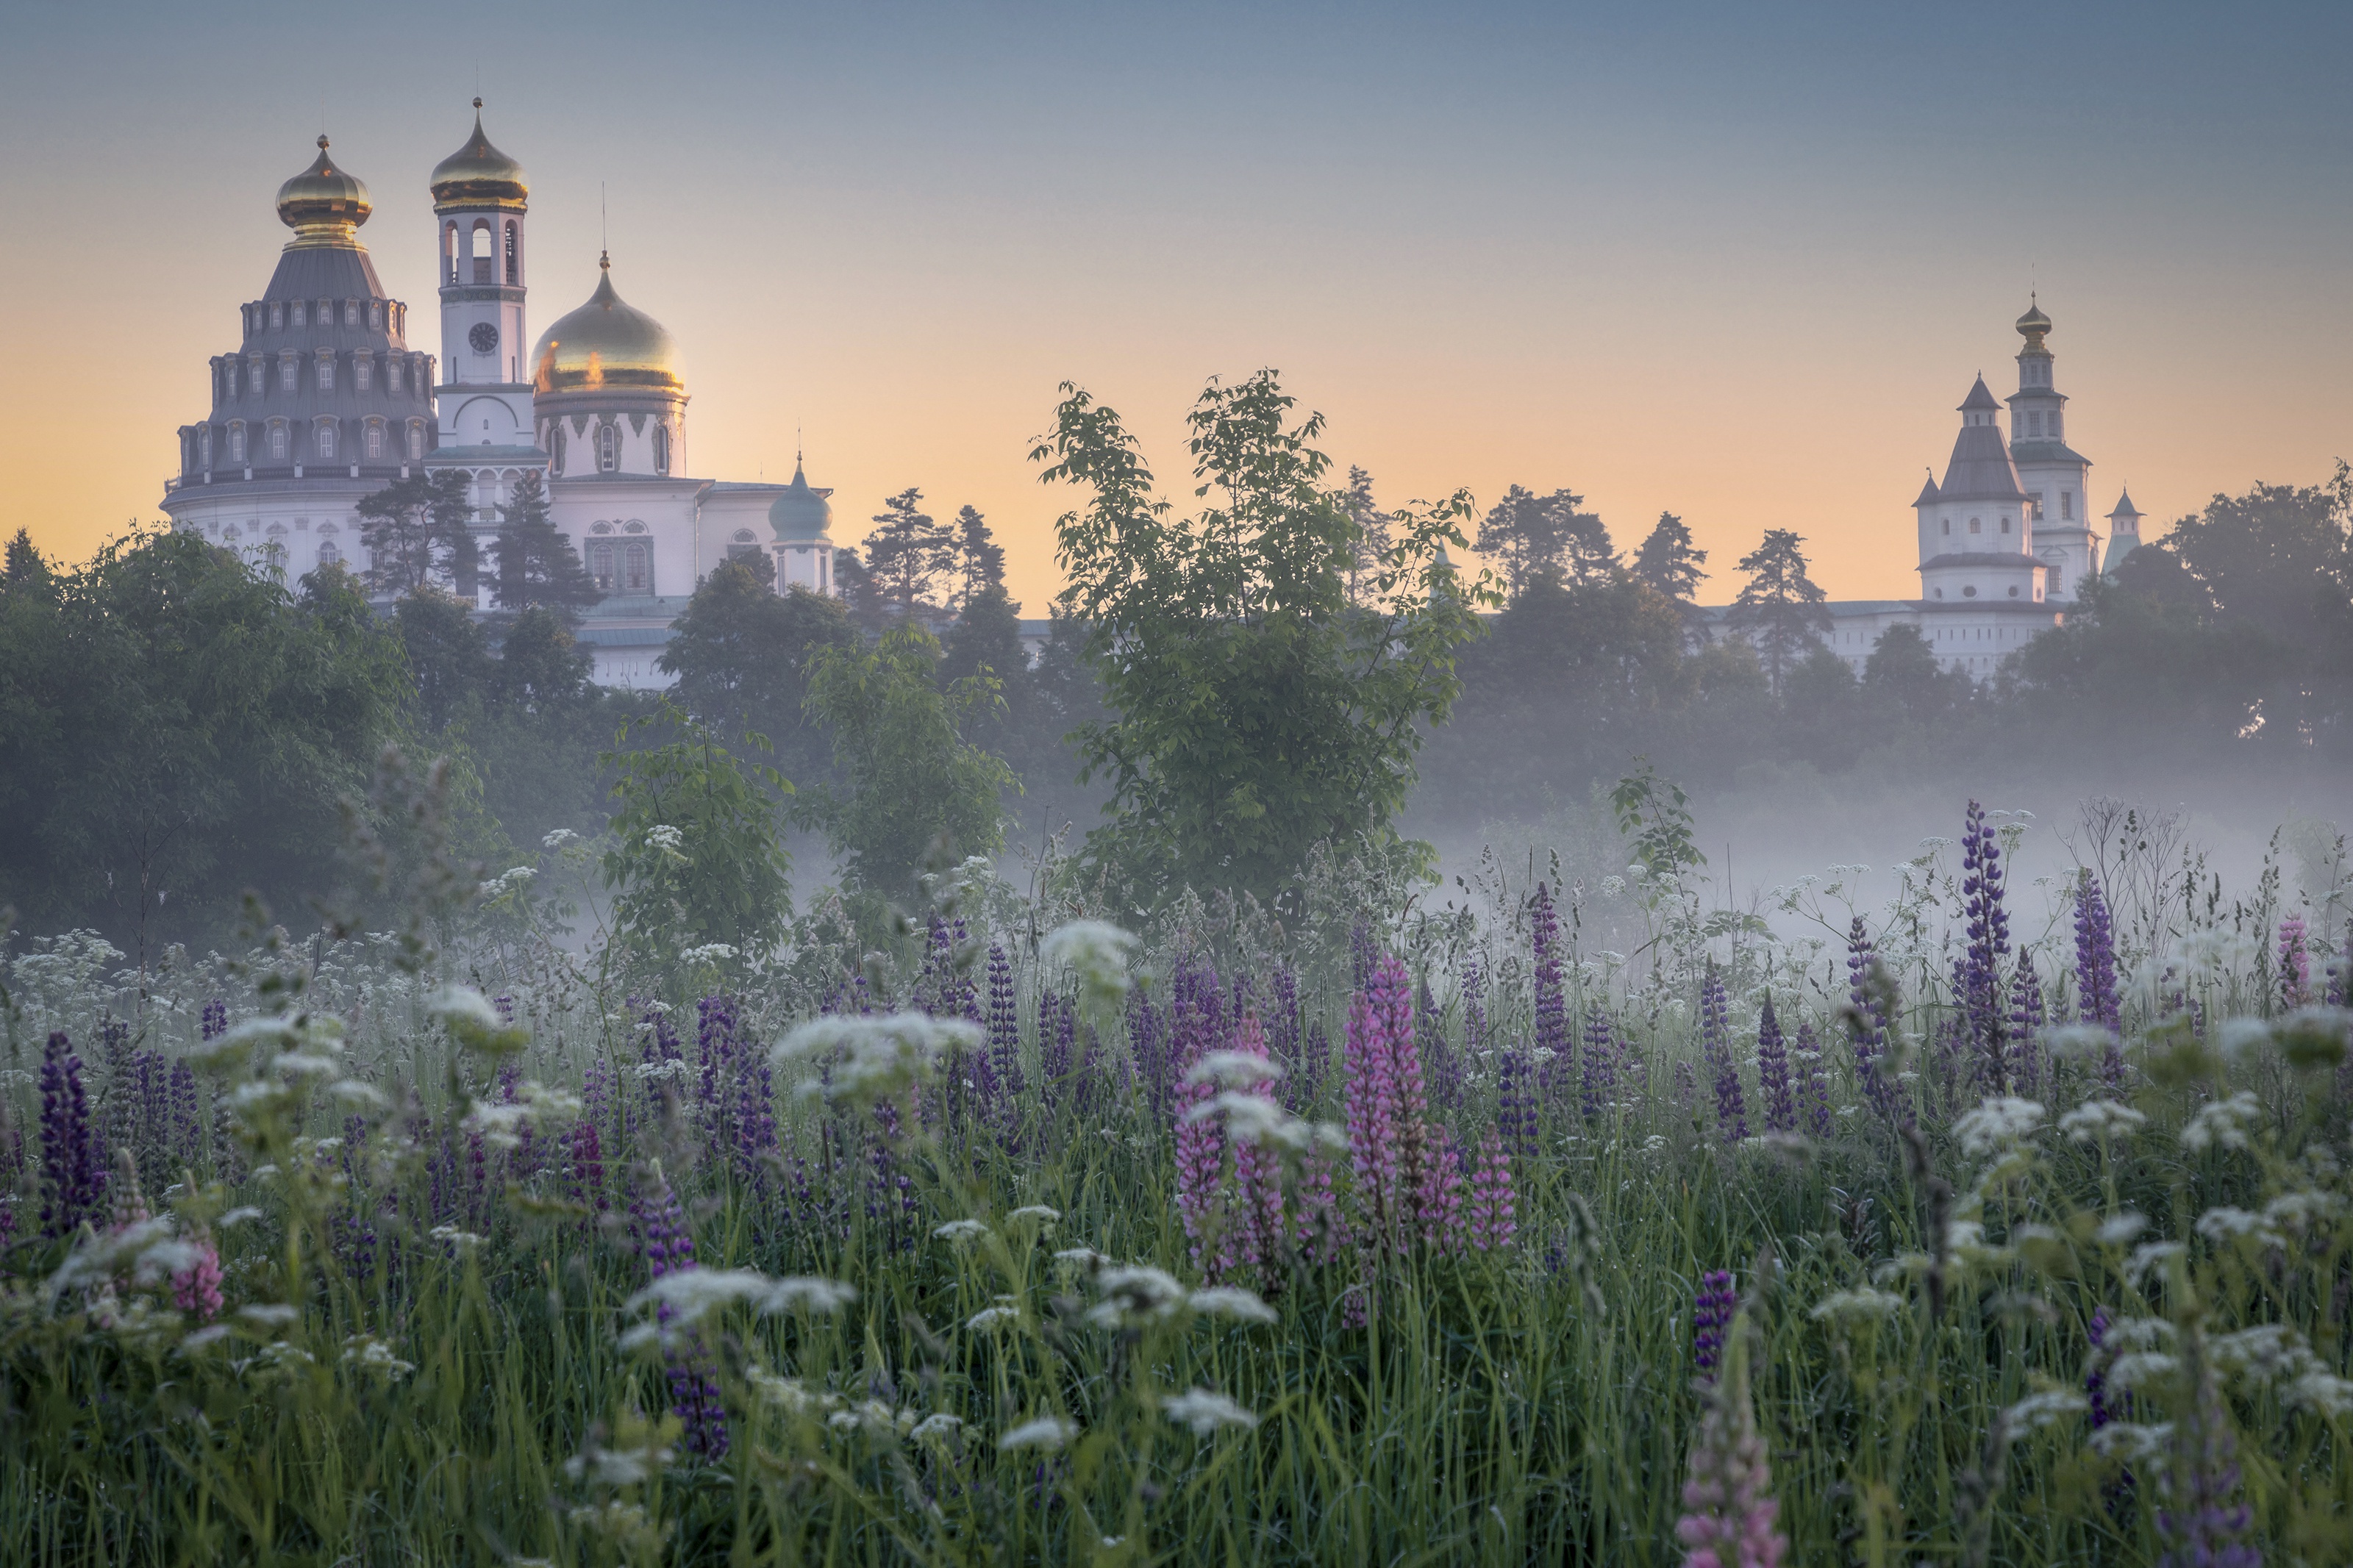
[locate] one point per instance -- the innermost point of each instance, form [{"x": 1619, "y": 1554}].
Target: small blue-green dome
[{"x": 800, "y": 512}]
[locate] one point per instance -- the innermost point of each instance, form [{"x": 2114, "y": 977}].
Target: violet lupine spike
[
  {"x": 188, "y": 1135},
  {"x": 215, "y": 1019},
  {"x": 1494, "y": 1219},
  {"x": 1598, "y": 1078},
  {"x": 668, "y": 1246},
  {"x": 2096, "y": 998},
  {"x": 1058, "y": 1029},
  {"x": 2203, "y": 1524},
  {"x": 73, "y": 1170},
  {"x": 1445, "y": 1196},
  {"x": 2096, "y": 1379},
  {"x": 1773, "y": 1086},
  {"x": 1363, "y": 954},
  {"x": 2294, "y": 963},
  {"x": 1198, "y": 1028},
  {"x": 1712, "y": 1309},
  {"x": 1986, "y": 943},
  {"x": 1870, "y": 1038},
  {"x": 1004, "y": 1023},
  {"x": 1146, "y": 1045},
  {"x": 1813, "y": 1083},
  {"x": 587, "y": 1152},
  {"x": 1430, "y": 1041},
  {"x": 2027, "y": 1018},
  {"x": 1387, "y": 1105},
  {"x": 1715, "y": 1048},
  {"x": 1515, "y": 1101},
  {"x": 1552, "y": 1041},
  {"x": 1256, "y": 1223},
  {"x": 1729, "y": 1511},
  {"x": 196, "y": 1286},
  {"x": 1282, "y": 1038}
]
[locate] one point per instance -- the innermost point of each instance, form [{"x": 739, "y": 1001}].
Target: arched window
[
  {"x": 298, "y": 312},
  {"x": 392, "y": 375},
  {"x": 326, "y": 442},
  {"x": 351, "y": 312},
  {"x": 608, "y": 448},
  {"x": 557, "y": 466},
  {"x": 277, "y": 316},
  {"x": 277, "y": 442},
  {"x": 600, "y": 567},
  {"x": 236, "y": 442},
  {"x": 635, "y": 559},
  {"x": 2005, "y": 523},
  {"x": 482, "y": 250},
  {"x": 661, "y": 448},
  {"x": 329, "y": 555},
  {"x": 416, "y": 441},
  {"x": 1948, "y": 527},
  {"x": 286, "y": 373},
  {"x": 745, "y": 536},
  {"x": 514, "y": 255},
  {"x": 205, "y": 447},
  {"x": 449, "y": 253},
  {"x": 633, "y": 526},
  {"x": 326, "y": 372},
  {"x": 363, "y": 371},
  {"x": 600, "y": 526},
  {"x": 375, "y": 442},
  {"x": 1977, "y": 525}
]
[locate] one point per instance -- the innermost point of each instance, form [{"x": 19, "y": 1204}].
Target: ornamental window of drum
[
  {"x": 560, "y": 442},
  {"x": 635, "y": 564},
  {"x": 608, "y": 448},
  {"x": 633, "y": 526}
]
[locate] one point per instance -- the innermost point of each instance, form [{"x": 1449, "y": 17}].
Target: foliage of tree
[
  {"x": 909, "y": 555},
  {"x": 1780, "y": 607},
  {"x": 1545, "y": 539},
  {"x": 1372, "y": 534},
  {"x": 448, "y": 652},
  {"x": 696, "y": 854},
  {"x": 414, "y": 529},
  {"x": 1255, "y": 711},
  {"x": 740, "y": 657},
  {"x": 860, "y": 595},
  {"x": 176, "y": 728},
  {"x": 914, "y": 789},
  {"x": 535, "y": 564}
]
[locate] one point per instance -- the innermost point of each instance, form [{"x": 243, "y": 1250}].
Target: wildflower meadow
[{"x": 1973, "y": 1222}]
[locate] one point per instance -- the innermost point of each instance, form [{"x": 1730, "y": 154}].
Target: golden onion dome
[
  {"x": 2035, "y": 324},
  {"x": 322, "y": 205},
  {"x": 478, "y": 174},
  {"x": 606, "y": 345}
]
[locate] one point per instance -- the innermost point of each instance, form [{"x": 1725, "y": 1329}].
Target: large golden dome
[
  {"x": 478, "y": 174},
  {"x": 605, "y": 345},
  {"x": 322, "y": 205}
]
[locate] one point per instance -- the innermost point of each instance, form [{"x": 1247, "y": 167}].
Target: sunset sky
[{"x": 1739, "y": 262}]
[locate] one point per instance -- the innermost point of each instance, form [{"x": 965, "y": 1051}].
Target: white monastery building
[
  {"x": 324, "y": 403},
  {"x": 2005, "y": 537}
]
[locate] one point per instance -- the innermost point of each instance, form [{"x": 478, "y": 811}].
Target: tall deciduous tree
[
  {"x": 535, "y": 563},
  {"x": 907, "y": 554},
  {"x": 697, "y": 855},
  {"x": 1780, "y": 610},
  {"x": 740, "y": 657},
  {"x": 415, "y": 527},
  {"x": 914, "y": 786},
  {"x": 1256, "y": 713}
]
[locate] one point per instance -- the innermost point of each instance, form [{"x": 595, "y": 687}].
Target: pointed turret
[{"x": 2123, "y": 533}]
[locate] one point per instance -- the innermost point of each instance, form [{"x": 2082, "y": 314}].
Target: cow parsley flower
[{"x": 1206, "y": 1413}]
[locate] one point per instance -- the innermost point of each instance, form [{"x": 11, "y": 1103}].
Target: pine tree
[
  {"x": 907, "y": 554},
  {"x": 1667, "y": 563},
  {"x": 1780, "y": 610},
  {"x": 535, "y": 563},
  {"x": 415, "y": 526},
  {"x": 26, "y": 569},
  {"x": 982, "y": 558},
  {"x": 1545, "y": 539}
]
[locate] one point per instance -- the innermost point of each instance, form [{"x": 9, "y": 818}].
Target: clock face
[{"x": 484, "y": 337}]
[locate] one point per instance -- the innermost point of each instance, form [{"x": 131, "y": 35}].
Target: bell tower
[{"x": 480, "y": 202}]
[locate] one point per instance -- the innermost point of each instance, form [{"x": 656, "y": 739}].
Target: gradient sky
[{"x": 1736, "y": 261}]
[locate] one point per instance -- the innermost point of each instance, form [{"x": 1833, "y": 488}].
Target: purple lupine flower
[
  {"x": 2096, "y": 1379},
  {"x": 1552, "y": 1041},
  {"x": 215, "y": 1019},
  {"x": 1773, "y": 1084},
  {"x": 1058, "y": 1029},
  {"x": 1869, "y": 1035},
  {"x": 1320, "y": 1231},
  {"x": 1004, "y": 1024},
  {"x": 73, "y": 1165},
  {"x": 1515, "y": 1101},
  {"x": 2202, "y": 1524},
  {"x": 1986, "y": 944},
  {"x": 755, "y": 1119},
  {"x": 1715, "y": 1050},
  {"x": 1599, "y": 1076},
  {"x": 1729, "y": 1511},
  {"x": 2294, "y": 963},
  {"x": 1146, "y": 1042},
  {"x": 1711, "y": 1311},
  {"x": 1430, "y": 1040},
  {"x": 1387, "y": 1106},
  {"x": 1813, "y": 1083},
  {"x": 2096, "y": 998},
  {"x": 2026, "y": 1020},
  {"x": 187, "y": 1132},
  {"x": 1445, "y": 1194},
  {"x": 668, "y": 1246},
  {"x": 1256, "y": 1223},
  {"x": 1494, "y": 1204},
  {"x": 1363, "y": 954},
  {"x": 587, "y": 1153},
  {"x": 1200, "y": 1142},
  {"x": 1282, "y": 1028}
]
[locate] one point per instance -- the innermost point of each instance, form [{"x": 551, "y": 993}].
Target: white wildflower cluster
[
  {"x": 145, "y": 1253},
  {"x": 2132, "y": 1441},
  {"x": 2134, "y": 1368},
  {"x": 1048, "y": 1433},
  {"x": 2077, "y": 1042},
  {"x": 2223, "y": 1123},
  {"x": 666, "y": 838},
  {"x": 709, "y": 953},
  {"x": 1095, "y": 955},
  {"x": 1259, "y": 1121},
  {"x": 2119, "y": 1228},
  {"x": 960, "y": 1230},
  {"x": 1036, "y": 1213},
  {"x": 461, "y": 1241},
  {"x": 2149, "y": 1255},
  {"x": 1005, "y": 1312},
  {"x": 2098, "y": 1120},
  {"x": 690, "y": 1293},
  {"x": 1998, "y": 1124},
  {"x": 617, "y": 1467},
  {"x": 1207, "y": 1413},
  {"x": 2044, "y": 1409},
  {"x": 375, "y": 1357},
  {"x": 1864, "y": 1306},
  {"x": 512, "y": 880},
  {"x": 2225, "y": 1222},
  {"x": 1233, "y": 1070},
  {"x": 502, "y": 1124},
  {"x": 864, "y": 1059}
]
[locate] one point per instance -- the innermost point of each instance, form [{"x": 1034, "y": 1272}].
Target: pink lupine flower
[
  {"x": 1443, "y": 1195},
  {"x": 197, "y": 1288},
  {"x": 2295, "y": 962},
  {"x": 1728, "y": 1508},
  {"x": 1200, "y": 1155},
  {"x": 1389, "y": 1137},
  {"x": 1493, "y": 1219}
]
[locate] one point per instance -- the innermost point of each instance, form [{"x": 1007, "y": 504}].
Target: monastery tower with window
[{"x": 322, "y": 405}]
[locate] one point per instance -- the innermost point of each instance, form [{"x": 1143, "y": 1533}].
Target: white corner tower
[
  {"x": 1977, "y": 530},
  {"x": 479, "y": 203},
  {"x": 2051, "y": 473}
]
